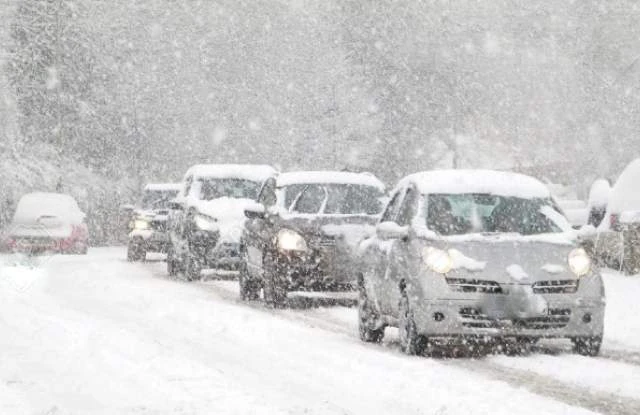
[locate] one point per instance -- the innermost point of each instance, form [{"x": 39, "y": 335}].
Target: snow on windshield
[{"x": 459, "y": 214}]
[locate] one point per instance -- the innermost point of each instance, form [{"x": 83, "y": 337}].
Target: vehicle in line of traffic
[
  {"x": 473, "y": 255},
  {"x": 303, "y": 232},
  {"x": 207, "y": 217},
  {"x": 47, "y": 222},
  {"x": 148, "y": 225},
  {"x": 617, "y": 238}
]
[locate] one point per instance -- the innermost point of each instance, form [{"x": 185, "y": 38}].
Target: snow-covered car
[
  {"x": 205, "y": 232},
  {"x": 303, "y": 232},
  {"x": 617, "y": 238},
  {"x": 148, "y": 226},
  {"x": 599, "y": 194},
  {"x": 575, "y": 210},
  {"x": 48, "y": 222},
  {"x": 473, "y": 254}
]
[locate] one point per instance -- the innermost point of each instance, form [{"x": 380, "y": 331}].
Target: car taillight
[{"x": 614, "y": 221}]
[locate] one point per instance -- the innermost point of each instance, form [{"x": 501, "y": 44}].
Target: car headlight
[
  {"x": 438, "y": 260},
  {"x": 205, "y": 223},
  {"x": 579, "y": 262},
  {"x": 141, "y": 224},
  {"x": 291, "y": 241}
]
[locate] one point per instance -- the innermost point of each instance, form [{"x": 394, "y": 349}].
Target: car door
[
  {"x": 377, "y": 258},
  {"x": 258, "y": 232},
  {"x": 398, "y": 253}
]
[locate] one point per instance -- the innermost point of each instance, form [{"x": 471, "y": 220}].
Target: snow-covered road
[{"x": 99, "y": 335}]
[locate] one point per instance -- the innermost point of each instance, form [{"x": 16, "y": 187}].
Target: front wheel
[
  {"x": 135, "y": 251},
  {"x": 249, "y": 289},
  {"x": 369, "y": 327},
  {"x": 275, "y": 294},
  {"x": 587, "y": 346},
  {"x": 193, "y": 268},
  {"x": 411, "y": 342}
]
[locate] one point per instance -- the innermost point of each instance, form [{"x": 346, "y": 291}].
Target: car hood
[
  {"x": 349, "y": 230},
  {"x": 509, "y": 262},
  {"x": 229, "y": 213}
]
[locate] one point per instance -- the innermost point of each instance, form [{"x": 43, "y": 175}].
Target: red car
[{"x": 48, "y": 222}]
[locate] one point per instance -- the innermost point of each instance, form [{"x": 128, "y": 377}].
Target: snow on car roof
[
  {"x": 478, "y": 181},
  {"x": 34, "y": 205},
  {"x": 163, "y": 186},
  {"x": 625, "y": 194},
  {"x": 254, "y": 172},
  {"x": 342, "y": 177}
]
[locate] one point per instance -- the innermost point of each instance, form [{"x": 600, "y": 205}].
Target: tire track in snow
[
  {"x": 550, "y": 387},
  {"x": 546, "y": 386}
]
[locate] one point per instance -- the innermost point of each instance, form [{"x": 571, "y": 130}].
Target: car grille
[
  {"x": 159, "y": 225},
  {"x": 474, "y": 286},
  {"x": 556, "y": 318},
  {"x": 555, "y": 287}
]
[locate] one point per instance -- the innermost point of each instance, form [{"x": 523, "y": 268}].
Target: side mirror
[
  {"x": 391, "y": 230},
  {"x": 255, "y": 211}
]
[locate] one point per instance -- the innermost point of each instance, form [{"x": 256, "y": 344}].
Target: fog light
[
  {"x": 438, "y": 316},
  {"x": 586, "y": 318}
]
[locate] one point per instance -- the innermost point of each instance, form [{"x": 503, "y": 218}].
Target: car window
[
  {"x": 392, "y": 207},
  {"x": 311, "y": 200},
  {"x": 211, "y": 188}
]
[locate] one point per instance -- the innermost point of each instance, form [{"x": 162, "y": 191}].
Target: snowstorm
[{"x": 319, "y": 207}]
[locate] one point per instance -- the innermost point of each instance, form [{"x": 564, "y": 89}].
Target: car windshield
[
  {"x": 345, "y": 199},
  {"x": 157, "y": 199},
  {"x": 459, "y": 214},
  {"x": 233, "y": 188}
]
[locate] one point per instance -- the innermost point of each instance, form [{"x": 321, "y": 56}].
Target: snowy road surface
[{"x": 98, "y": 335}]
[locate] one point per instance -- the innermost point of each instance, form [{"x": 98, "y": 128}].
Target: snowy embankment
[{"x": 98, "y": 335}]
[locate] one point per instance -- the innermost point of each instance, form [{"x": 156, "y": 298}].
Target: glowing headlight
[
  {"x": 141, "y": 224},
  {"x": 437, "y": 259},
  {"x": 205, "y": 223},
  {"x": 289, "y": 240},
  {"x": 579, "y": 262}
]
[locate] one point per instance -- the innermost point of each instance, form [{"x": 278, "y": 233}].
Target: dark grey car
[
  {"x": 464, "y": 255},
  {"x": 302, "y": 234}
]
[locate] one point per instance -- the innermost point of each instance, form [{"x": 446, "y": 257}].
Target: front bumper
[
  {"x": 317, "y": 271},
  {"x": 154, "y": 241},
  {"x": 568, "y": 317}
]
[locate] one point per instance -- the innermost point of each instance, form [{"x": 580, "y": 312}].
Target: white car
[
  {"x": 206, "y": 231},
  {"x": 148, "y": 227},
  {"x": 462, "y": 255},
  {"x": 617, "y": 239}
]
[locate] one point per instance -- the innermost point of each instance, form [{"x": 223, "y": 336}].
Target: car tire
[
  {"x": 135, "y": 251},
  {"x": 172, "y": 263},
  {"x": 369, "y": 327},
  {"x": 249, "y": 289},
  {"x": 587, "y": 346},
  {"x": 411, "y": 342},
  {"x": 193, "y": 268},
  {"x": 275, "y": 295}
]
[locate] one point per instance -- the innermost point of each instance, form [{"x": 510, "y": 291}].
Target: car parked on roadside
[
  {"x": 148, "y": 225},
  {"x": 208, "y": 216},
  {"x": 464, "y": 255},
  {"x": 617, "y": 238},
  {"x": 48, "y": 222},
  {"x": 302, "y": 233}
]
